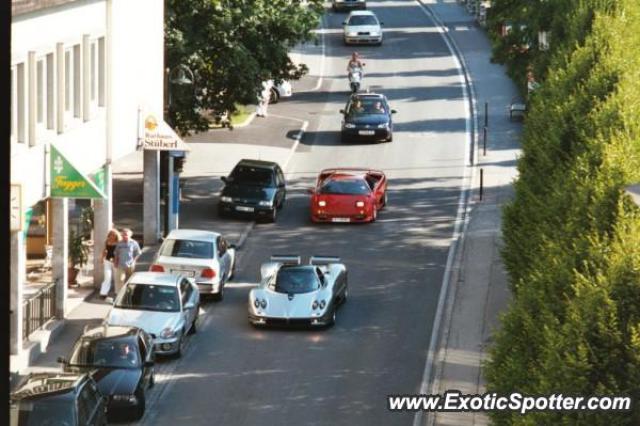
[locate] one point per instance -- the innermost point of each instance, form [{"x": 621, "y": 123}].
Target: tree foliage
[
  {"x": 232, "y": 46},
  {"x": 572, "y": 237}
]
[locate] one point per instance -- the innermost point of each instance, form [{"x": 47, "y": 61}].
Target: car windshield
[
  {"x": 187, "y": 248},
  {"x": 149, "y": 298},
  {"x": 113, "y": 353},
  {"x": 367, "y": 106},
  {"x": 363, "y": 20},
  {"x": 296, "y": 280},
  {"x": 345, "y": 187},
  {"x": 44, "y": 411},
  {"x": 252, "y": 176}
]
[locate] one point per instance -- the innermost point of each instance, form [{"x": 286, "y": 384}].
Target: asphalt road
[{"x": 233, "y": 374}]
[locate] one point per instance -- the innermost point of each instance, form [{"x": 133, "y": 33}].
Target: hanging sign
[
  {"x": 68, "y": 182},
  {"x": 159, "y": 136}
]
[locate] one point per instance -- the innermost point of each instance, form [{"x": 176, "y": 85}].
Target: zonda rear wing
[
  {"x": 286, "y": 259},
  {"x": 323, "y": 260}
]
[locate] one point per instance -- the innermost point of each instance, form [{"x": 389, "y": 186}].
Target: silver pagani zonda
[{"x": 293, "y": 294}]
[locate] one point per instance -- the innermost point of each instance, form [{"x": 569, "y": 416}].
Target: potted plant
[{"x": 78, "y": 255}]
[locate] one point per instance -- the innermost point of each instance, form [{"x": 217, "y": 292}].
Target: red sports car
[{"x": 348, "y": 195}]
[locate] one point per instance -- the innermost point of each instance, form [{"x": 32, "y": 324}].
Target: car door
[
  {"x": 186, "y": 296},
  {"x": 282, "y": 186},
  {"x": 89, "y": 406},
  {"x": 224, "y": 259},
  {"x": 147, "y": 370}
]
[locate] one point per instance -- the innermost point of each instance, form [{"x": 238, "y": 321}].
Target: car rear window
[
  {"x": 252, "y": 176},
  {"x": 187, "y": 248},
  {"x": 345, "y": 187},
  {"x": 113, "y": 353},
  {"x": 149, "y": 298},
  {"x": 297, "y": 280},
  {"x": 363, "y": 20}
]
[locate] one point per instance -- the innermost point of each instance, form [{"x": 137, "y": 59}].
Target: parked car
[
  {"x": 292, "y": 294},
  {"x": 254, "y": 188},
  {"x": 348, "y": 195},
  {"x": 348, "y": 4},
  {"x": 120, "y": 360},
  {"x": 282, "y": 90},
  {"x": 164, "y": 305},
  {"x": 205, "y": 256},
  {"x": 362, "y": 27},
  {"x": 367, "y": 116},
  {"x": 57, "y": 399}
]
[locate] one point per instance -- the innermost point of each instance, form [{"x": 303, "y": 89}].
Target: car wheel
[
  {"x": 152, "y": 380},
  {"x": 332, "y": 319},
  {"x": 139, "y": 410},
  {"x": 374, "y": 215},
  {"x": 281, "y": 205},
  {"x": 390, "y": 138},
  {"x": 275, "y": 96},
  {"x": 345, "y": 295},
  {"x": 272, "y": 217},
  {"x": 219, "y": 296},
  {"x": 384, "y": 199},
  {"x": 178, "y": 353}
]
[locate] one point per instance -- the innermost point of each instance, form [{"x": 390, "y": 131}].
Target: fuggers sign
[{"x": 68, "y": 182}]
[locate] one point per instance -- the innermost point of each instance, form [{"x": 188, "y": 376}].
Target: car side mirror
[
  {"x": 189, "y": 305},
  {"x": 225, "y": 179},
  {"x": 344, "y": 23},
  {"x": 341, "y": 111},
  {"x": 381, "y": 23},
  {"x": 62, "y": 360},
  {"x": 149, "y": 363},
  {"x": 311, "y": 190},
  {"x": 233, "y": 246},
  {"x": 393, "y": 111}
]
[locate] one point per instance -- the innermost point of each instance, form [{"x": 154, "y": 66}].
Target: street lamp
[{"x": 180, "y": 75}]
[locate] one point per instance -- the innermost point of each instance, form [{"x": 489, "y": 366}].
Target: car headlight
[
  {"x": 349, "y": 125},
  {"x": 314, "y": 305},
  {"x": 359, "y": 203},
  {"x": 352, "y": 33},
  {"x": 263, "y": 303},
  {"x": 260, "y": 303},
  {"x": 383, "y": 126},
  {"x": 226, "y": 199},
  {"x": 124, "y": 398},
  {"x": 322, "y": 304},
  {"x": 168, "y": 333},
  {"x": 322, "y": 203},
  {"x": 318, "y": 305},
  {"x": 265, "y": 203},
  {"x": 375, "y": 33}
]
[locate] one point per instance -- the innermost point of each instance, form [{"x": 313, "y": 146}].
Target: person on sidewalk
[
  {"x": 127, "y": 253},
  {"x": 108, "y": 257},
  {"x": 263, "y": 99}
]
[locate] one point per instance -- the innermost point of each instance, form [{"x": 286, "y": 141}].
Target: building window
[
  {"x": 50, "y": 93},
  {"x": 101, "y": 71},
  {"x": 94, "y": 65},
  {"x": 20, "y": 104},
  {"x": 14, "y": 136},
  {"x": 68, "y": 88},
  {"x": 77, "y": 100},
  {"x": 40, "y": 86}
]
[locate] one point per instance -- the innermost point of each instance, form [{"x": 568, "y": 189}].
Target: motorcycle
[{"x": 355, "y": 79}]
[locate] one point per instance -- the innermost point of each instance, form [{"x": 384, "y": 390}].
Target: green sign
[
  {"x": 99, "y": 179},
  {"x": 68, "y": 182}
]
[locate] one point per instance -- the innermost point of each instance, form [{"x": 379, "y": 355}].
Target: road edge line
[{"x": 439, "y": 332}]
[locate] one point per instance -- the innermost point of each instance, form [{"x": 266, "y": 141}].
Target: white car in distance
[
  {"x": 362, "y": 27},
  {"x": 205, "y": 256}
]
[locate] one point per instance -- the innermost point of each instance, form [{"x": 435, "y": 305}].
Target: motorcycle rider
[{"x": 354, "y": 62}]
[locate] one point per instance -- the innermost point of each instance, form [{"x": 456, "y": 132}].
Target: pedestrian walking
[
  {"x": 264, "y": 98},
  {"x": 126, "y": 255},
  {"x": 108, "y": 258}
]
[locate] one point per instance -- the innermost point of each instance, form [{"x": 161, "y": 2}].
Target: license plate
[
  {"x": 244, "y": 209},
  {"x": 184, "y": 272},
  {"x": 366, "y": 132},
  {"x": 340, "y": 219}
]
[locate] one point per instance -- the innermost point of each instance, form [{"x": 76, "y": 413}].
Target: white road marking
[{"x": 462, "y": 215}]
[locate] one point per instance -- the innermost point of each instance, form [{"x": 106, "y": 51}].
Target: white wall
[{"x": 138, "y": 60}]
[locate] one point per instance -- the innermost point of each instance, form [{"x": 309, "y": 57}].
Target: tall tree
[{"x": 232, "y": 46}]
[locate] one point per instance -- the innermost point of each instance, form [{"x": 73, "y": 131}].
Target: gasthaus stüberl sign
[{"x": 159, "y": 136}]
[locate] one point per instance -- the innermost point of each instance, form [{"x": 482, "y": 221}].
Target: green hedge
[{"x": 572, "y": 238}]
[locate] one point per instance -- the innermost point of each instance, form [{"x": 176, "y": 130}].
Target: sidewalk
[{"x": 478, "y": 289}]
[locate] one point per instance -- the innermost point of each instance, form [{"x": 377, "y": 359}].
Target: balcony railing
[{"x": 38, "y": 309}]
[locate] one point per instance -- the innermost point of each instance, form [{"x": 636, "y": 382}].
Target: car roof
[
  {"x": 257, "y": 163},
  {"x": 154, "y": 278},
  {"x": 40, "y": 384},
  {"x": 105, "y": 331},
  {"x": 192, "y": 234},
  {"x": 361, "y": 12}
]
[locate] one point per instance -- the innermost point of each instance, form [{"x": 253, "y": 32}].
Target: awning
[
  {"x": 159, "y": 136},
  {"x": 67, "y": 181}
]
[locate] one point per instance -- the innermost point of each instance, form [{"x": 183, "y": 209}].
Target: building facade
[{"x": 82, "y": 71}]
